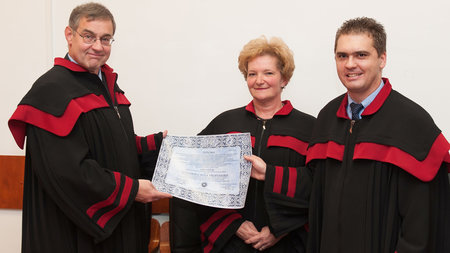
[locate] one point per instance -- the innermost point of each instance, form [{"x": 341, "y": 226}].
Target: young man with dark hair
[{"x": 379, "y": 162}]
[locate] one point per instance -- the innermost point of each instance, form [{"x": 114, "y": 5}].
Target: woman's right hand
[
  {"x": 264, "y": 240},
  {"x": 258, "y": 167}
]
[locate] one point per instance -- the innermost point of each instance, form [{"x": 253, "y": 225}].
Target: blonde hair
[{"x": 274, "y": 47}]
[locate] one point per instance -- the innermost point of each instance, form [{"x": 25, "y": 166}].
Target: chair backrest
[{"x": 160, "y": 207}]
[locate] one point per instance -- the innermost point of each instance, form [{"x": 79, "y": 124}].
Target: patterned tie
[{"x": 356, "y": 108}]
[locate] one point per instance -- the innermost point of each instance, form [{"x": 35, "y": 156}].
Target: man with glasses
[{"x": 85, "y": 188}]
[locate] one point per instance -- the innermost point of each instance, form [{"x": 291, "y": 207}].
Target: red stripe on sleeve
[
  {"x": 424, "y": 170},
  {"x": 123, "y": 201},
  {"x": 278, "y": 179},
  {"x": 151, "y": 142},
  {"x": 219, "y": 230},
  {"x": 99, "y": 205},
  {"x": 138, "y": 144},
  {"x": 216, "y": 216},
  {"x": 292, "y": 182},
  {"x": 288, "y": 142},
  {"x": 329, "y": 149}
]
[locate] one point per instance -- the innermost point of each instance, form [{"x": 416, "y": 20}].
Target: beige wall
[{"x": 26, "y": 44}]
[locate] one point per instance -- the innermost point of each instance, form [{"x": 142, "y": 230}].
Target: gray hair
[{"x": 91, "y": 11}]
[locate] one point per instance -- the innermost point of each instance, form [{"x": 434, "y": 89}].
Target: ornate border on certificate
[{"x": 233, "y": 199}]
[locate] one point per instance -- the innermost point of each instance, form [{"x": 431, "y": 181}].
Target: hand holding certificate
[{"x": 208, "y": 170}]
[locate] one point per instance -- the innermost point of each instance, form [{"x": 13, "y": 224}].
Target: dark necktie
[{"x": 356, "y": 108}]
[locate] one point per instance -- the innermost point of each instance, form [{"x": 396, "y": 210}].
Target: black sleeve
[
  {"x": 287, "y": 191},
  {"x": 424, "y": 210},
  {"x": 149, "y": 153},
  {"x": 218, "y": 227},
  {"x": 196, "y": 228}
]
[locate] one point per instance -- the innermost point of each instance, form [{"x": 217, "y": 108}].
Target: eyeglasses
[{"x": 90, "y": 39}]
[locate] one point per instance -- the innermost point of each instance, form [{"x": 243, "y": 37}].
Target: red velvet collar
[
  {"x": 285, "y": 110},
  {"x": 373, "y": 107},
  {"x": 107, "y": 70},
  {"x": 77, "y": 68}
]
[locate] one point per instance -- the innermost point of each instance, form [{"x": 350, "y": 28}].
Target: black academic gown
[
  {"x": 82, "y": 164},
  {"x": 281, "y": 142},
  {"x": 380, "y": 183}
]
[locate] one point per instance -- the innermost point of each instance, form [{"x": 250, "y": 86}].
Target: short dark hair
[
  {"x": 366, "y": 25},
  {"x": 91, "y": 11}
]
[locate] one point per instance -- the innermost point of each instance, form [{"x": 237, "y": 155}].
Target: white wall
[
  {"x": 26, "y": 47},
  {"x": 177, "y": 60}
]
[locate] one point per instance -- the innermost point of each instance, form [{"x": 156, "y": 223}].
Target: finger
[
  {"x": 248, "y": 158},
  {"x": 258, "y": 245},
  {"x": 253, "y": 240},
  {"x": 162, "y": 194},
  {"x": 248, "y": 225},
  {"x": 248, "y": 234},
  {"x": 156, "y": 198},
  {"x": 252, "y": 226},
  {"x": 165, "y": 133}
]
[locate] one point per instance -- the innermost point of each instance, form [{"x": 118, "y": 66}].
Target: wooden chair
[
  {"x": 164, "y": 244},
  {"x": 160, "y": 235},
  {"x": 153, "y": 244}
]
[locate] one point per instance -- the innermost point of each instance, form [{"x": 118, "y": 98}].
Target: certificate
[{"x": 208, "y": 170}]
